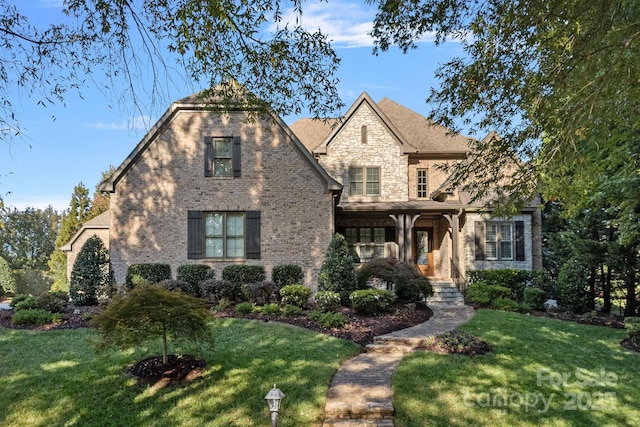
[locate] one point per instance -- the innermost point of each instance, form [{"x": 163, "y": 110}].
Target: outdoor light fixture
[{"x": 273, "y": 400}]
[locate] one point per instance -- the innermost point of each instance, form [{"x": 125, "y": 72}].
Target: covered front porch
[{"x": 423, "y": 233}]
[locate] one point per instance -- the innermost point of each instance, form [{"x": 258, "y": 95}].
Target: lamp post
[{"x": 273, "y": 400}]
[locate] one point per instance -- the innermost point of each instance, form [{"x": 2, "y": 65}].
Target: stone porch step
[{"x": 445, "y": 292}]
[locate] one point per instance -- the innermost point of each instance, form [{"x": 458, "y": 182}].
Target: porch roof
[{"x": 414, "y": 206}]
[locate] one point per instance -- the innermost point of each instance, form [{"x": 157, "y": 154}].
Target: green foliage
[
  {"x": 505, "y": 304},
  {"x": 92, "y": 277},
  {"x": 261, "y": 293},
  {"x": 329, "y": 319},
  {"x": 27, "y": 303},
  {"x": 217, "y": 290},
  {"x": 286, "y": 274},
  {"x": 297, "y": 295},
  {"x": 148, "y": 312},
  {"x": 371, "y": 301},
  {"x": 178, "y": 285},
  {"x": 194, "y": 274},
  {"x": 18, "y": 298},
  {"x": 337, "y": 273},
  {"x": 326, "y": 301},
  {"x": 572, "y": 286},
  {"x": 33, "y": 282},
  {"x": 484, "y": 293},
  {"x": 516, "y": 280},
  {"x": 151, "y": 273},
  {"x": 268, "y": 309},
  {"x": 243, "y": 274},
  {"x": 244, "y": 307},
  {"x": 632, "y": 325},
  {"x": 535, "y": 298},
  {"x": 291, "y": 310},
  {"x": 27, "y": 238},
  {"x": 33, "y": 316},
  {"x": 7, "y": 281},
  {"x": 407, "y": 281}
]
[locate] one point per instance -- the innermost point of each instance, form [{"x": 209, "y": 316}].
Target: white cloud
[{"x": 137, "y": 123}]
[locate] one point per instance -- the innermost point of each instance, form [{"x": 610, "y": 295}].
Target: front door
[{"x": 423, "y": 250}]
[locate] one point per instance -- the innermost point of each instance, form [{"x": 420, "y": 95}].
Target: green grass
[
  {"x": 53, "y": 378},
  {"x": 507, "y": 387}
]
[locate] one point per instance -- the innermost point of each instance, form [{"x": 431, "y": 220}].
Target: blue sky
[{"x": 75, "y": 142}]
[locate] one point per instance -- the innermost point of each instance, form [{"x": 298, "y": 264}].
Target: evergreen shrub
[
  {"x": 297, "y": 295},
  {"x": 408, "y": 283},
  {"x": 632, "y": 325},
  {"x": 338, "y": 273},
  {"x": 371, "y": 301},
  {"x": 151, "y": 273},
  {"x": 33, "y": 316},
  {"x": 54, "y": 302},
  {"x": 291, "y": 310},
  {"x": 194, "y": 275},
  {"x": 484, "y": 293},
  {"x": 571, "y": 286},
  {"x": 7, "y": 281},
  {"x": 535, "y": 298},
  {"x": 261, "y": 293},
  {"x": 326, "y": 301},
  {"x": 92, "y": 277},
  {"x": 329, "y": 320},
  {"x": 243, "y": 274},
  {"x": 286, "y": 274},
  {"x": 215, "y": 291}
]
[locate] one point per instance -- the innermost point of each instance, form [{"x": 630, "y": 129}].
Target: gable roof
[
  {"x": 102, "y": 221},
  {"x": 414, "y": 132},
  {"x": 196, "y": 103}
]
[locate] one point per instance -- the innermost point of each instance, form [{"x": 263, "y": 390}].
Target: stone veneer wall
[
  {"x": 380, "y": 150},
  {"x": 435, "y": 176},
  {"x": 149, "y": 207},
  {"x": 467, "y": 258}
]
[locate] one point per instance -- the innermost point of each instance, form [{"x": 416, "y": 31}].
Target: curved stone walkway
[{"x": 360, "y": 392}]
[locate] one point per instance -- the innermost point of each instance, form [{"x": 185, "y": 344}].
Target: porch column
[
  {"x": 399, "y": 220},
  {"x": 411, "y": 220},
  {"x": 454, "y": 225}
]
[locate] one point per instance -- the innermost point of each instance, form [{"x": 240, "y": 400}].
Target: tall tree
[
  {"x": 27, "y": 237},
  {"x": 216, "y": 43},
  {"x": 71, "y": 221}
]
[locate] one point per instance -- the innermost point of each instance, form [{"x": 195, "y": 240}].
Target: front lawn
[
  {"x": 53, "y": 378},
  {"x": 541, "y": 372}
]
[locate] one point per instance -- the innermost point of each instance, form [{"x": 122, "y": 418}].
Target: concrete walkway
[{"x": 360, "y": 392}]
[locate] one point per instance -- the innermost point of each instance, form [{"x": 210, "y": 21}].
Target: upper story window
[
  {"x": 222, "y": 156},
  {"x": 364, "y": 181},
  {"x": 422, "y": 183}
]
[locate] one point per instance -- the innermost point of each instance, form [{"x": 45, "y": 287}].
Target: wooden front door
[{"x": 423, "y": 250}]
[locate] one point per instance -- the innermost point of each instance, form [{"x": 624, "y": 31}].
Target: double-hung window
[
  {"x": 499, "y": 241},
  {"x": 222, "y": 157},
  {"x": 364, "y": 181},
  {"x": 224, "y": 235},
  {"x": 365, "y": 243}
]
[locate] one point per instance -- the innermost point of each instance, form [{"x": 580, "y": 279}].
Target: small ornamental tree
[
  {"x": 338, "y": 273},
  {"x": 92, "y": 277},
  {"x": 7, "y": 281},
  {"x": 148, "y": 312}
]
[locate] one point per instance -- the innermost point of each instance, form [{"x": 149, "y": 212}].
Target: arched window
[{"x": 363, "y": 134}]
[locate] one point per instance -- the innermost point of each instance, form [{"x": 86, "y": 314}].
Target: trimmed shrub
[
  {"x": 297, "y": 295},
  {"x": 261, "y": 293},
  {"x": 571, "y": 290},
  {"x": 175, "y": 285},
  {"x": 329, "y": 320},
  {"x": 407, "y": 282},
  {"x": 286, "y": 274},
  {"x": 92, "y": 277},
  {"x": 243, "y": 274},
  {"x": 338, "y": 273},
  {"x": 483, "y": 293},
  {"x": 54, "y": 302},
  {"x": 17, "y": 298},
  {"x": 150, "y": 273},
  {"x": 216, "y": 290},
  {"x": 371, "y": 301},
  {"x": 32, "y": 316},
  {"x": 244, "y": 307},
  {"x": 291, "y": 310},
  {"x": 194, "y": 275},
  {"x": 505, "y": 304},
  {"x": 535, "y": 298},
  {"x": 326, "y": 301},
  {"x": 632, "y": 325}
]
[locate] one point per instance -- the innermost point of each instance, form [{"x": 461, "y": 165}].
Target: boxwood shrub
[
  {"x": 194, "y": 275},
  {"x": 217, "y": 290},
  {"x": 371, "y": 301},
  {"x": 484, "y": 293},
  {"x": 286, "y": 274},
  {"x": 152, "y": 273},
  {"x": 297, "y": 295},
  {"x": 535, "y": 298},
  {"x": 243, "y": 274}
]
